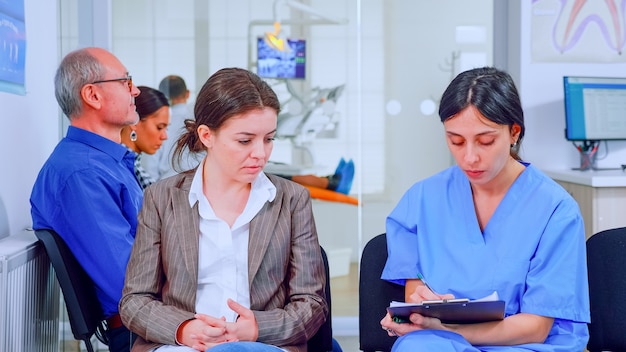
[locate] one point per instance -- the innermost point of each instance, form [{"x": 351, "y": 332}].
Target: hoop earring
[{"x": 133, "y": 136}]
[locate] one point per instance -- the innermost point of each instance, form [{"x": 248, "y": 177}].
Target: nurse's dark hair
[
  {"x": 492, "y": 92},
  {"x": 227, "y": 93}
]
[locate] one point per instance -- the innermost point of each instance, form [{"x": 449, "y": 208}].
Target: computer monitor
[
  {"x": 595, "y": 108},
  {"x": 290, "y": 63}
]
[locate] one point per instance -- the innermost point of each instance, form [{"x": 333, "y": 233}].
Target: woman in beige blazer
[{"x": 225, "y": 256}]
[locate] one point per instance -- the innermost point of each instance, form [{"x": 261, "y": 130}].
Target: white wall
[
  {"x": 541, "y": 92},
  {"x": 30, "y": 123}
]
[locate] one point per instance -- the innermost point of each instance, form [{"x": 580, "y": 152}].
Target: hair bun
[{"x": 190, "y": 125}]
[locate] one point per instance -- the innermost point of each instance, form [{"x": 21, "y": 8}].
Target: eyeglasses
[{"x": 129, "y": 81}]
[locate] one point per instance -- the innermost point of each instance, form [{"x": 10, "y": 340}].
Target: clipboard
[{"x": 454, "y": 311}]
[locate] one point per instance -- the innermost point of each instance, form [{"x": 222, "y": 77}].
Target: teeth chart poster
[{"x": 578, "y": 31}]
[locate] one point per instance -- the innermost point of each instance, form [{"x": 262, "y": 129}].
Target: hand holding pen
[
  {"x": 423, "y": 279},
  {"x": 421, "y": 293},
  {"x": 425, "y": 292}
]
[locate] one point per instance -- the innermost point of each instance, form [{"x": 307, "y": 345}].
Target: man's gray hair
[{"x": 77, "y": 68}]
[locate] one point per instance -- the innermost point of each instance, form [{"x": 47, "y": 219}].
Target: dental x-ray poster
[{"x": 12, "y": 46}]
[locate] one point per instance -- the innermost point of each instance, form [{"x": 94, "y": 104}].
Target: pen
[{"x": 421, "y": 277}]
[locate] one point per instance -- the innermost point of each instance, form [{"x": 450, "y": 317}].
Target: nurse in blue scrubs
[{"x": 492, "y": 222}]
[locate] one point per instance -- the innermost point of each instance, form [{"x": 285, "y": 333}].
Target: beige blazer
[{"x": 285, "y": 267}]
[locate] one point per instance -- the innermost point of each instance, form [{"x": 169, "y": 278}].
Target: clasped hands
[
  {"x": 206, "y": 331},
  {"x": 418, "y": 321}
]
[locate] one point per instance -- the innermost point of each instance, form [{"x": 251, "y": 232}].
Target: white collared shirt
[{"x": 223, "y": 251}]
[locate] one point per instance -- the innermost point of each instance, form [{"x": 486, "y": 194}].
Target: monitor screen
[
  {"x": 595, "y": 108},
  {"x": 289, "y": 63}
]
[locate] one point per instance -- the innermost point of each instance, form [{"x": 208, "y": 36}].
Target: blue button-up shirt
[{"x": 87, "y": 192}]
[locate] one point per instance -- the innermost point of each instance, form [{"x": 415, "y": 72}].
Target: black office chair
[
  {"x": 606, "y": 251},
  {"x": 322, "y": 341},
  {"x": 83, "y": 307},
  {"x": 374, "y": 296}
]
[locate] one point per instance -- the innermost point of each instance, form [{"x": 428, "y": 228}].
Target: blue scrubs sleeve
[
  {"x": 556, "y": 285},
  {"x": 401, "y": 227}
]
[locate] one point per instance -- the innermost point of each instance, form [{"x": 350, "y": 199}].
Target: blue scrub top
[{"x": 532, "y": 250}]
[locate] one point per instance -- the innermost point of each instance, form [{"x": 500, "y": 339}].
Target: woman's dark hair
[
  {"x": 149, "y": 101},
  {"x": 492, "y": 92},
  {"x": 228, "y": 92}
]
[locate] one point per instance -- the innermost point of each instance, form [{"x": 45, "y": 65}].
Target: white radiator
[{"x": 29, "y": 296}]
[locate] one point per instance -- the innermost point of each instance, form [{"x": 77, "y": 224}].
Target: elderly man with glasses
[{"x": 87, "y": 191}]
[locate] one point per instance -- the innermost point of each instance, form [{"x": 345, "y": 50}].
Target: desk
[{"x": 601, "y": 196}]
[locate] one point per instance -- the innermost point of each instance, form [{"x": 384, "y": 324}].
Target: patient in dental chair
[{"x": 340, "y": 181}]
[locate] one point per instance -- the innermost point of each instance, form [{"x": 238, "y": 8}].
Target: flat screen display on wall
[{"x": 289, "y": 63}]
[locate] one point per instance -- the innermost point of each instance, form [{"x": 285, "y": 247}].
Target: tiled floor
[
  {"x": 345, "y": 309},
  {"x": 348, "y": 343},
  {"x": 345, "y": 293}
]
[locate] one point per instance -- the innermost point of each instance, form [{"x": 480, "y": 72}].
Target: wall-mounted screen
[
  {"x": 290, "y": 63},
  {"x": 595, "y": 108}
]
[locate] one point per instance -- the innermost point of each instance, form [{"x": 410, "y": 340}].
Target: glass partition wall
[
  {"x": 322, "y": 110},
  {"x": 364, "y": 69}
]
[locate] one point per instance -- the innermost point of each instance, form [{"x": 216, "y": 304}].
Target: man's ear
[{"x": 91, "y": 96}]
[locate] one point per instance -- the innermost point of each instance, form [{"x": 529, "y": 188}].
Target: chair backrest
[
  {"x": 606, "y": 251},
  {"x": 322, "y": 341},
  {"x": 83, "y": 307},
  {"x": 374, "y": 296}
]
